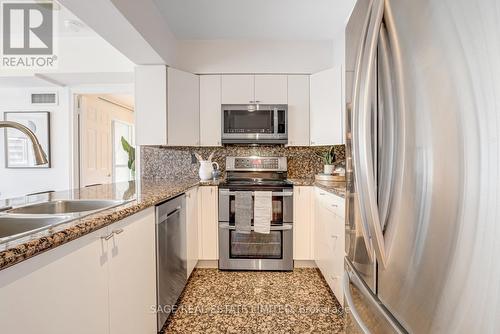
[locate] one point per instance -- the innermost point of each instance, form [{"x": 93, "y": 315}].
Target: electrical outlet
[{"x": 193, "y": 159}]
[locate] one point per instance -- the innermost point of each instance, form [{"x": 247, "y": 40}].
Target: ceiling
[{"x": 255, "y": 19}]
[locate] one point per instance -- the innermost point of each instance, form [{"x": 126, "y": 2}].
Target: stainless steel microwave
[{"x": 254, "y": 124}]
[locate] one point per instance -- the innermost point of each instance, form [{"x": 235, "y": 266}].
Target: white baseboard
[
  {"x": 304, "y": 264},
  {"x": 207, "y": 264}
]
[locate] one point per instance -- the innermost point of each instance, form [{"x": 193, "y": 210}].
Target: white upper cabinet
[
  {"x": 326, "y": 107},
  {"x": 183, "y": 108},
  {"x": 238, "y": 89},
  {"x": 151, "y": 105},
  {"x": 298, "y": 110},
  {"x": 271, "y": 89},
  {"x": 210, "y": 110}
]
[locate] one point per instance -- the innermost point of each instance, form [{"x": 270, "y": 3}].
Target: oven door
[
  {"x": 282, "y": 204},
  {"x": 247, "y": 124},
  {"x": 256, "y": 251}
]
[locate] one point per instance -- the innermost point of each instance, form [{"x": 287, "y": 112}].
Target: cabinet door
[
  {"x": 210, "y": 110},
  {"x": 151, "y": 105},
  {"x": 132, "y": 274},
  {"x": 326, "y": 107},
  {"x": 303, "y": 226},
  {"x": 271, "y": 89},
  {"x": 183, "y": 108},
  {"x": 192, "y": 229},
  {"x": 209, "y": 247},
  {"x": 64, "y": 290},
  {"x": 238, "y": 89},
  {"x": 298, "y": 110}
]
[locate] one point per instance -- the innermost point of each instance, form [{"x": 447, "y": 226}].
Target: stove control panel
[{"x": 256, "y": 163}]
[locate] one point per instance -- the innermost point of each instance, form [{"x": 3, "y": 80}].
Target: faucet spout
[{"x": 40, "y": 155}]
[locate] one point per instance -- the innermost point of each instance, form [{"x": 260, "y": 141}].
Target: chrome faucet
[{"x": 40, "y": 156}]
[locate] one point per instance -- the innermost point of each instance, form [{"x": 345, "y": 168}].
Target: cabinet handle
[
  {"x": 188, "y": 195},
  {"x": 312, "y": 143},
  {"x": 322, "y": 194},
  {"x": 335, "y": 205},
  {"x": 251, "y": 101},
  {"x": 118, "y": 231},
  {"x": 109, "y": 236}
]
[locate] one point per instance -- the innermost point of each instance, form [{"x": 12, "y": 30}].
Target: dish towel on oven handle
[
  {"x": 243, "y": 212},
  {"x": 262, "y": 213}
]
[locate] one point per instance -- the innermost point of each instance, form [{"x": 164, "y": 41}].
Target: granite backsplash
[{"x": 176, "y": 162}]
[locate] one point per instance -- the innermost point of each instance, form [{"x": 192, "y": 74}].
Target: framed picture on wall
[{"x": 18, "y": 147}]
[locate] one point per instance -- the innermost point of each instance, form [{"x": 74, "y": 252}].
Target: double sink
[{"x": 25, "y": 220}]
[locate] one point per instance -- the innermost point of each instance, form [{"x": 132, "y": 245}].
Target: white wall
[
  {"x": 230, "y": 56},
  {"x": 14, "y": 182}
]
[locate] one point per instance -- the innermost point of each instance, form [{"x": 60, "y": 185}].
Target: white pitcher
[{"x": 206, "y": 168}]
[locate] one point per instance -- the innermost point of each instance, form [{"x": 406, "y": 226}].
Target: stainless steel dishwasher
[{"x": 171, "y": 259}]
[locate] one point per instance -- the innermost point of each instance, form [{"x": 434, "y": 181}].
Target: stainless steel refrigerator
[{"x": 423, "y": 156}]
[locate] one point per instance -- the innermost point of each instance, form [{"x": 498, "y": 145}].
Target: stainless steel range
[{"x": 256, "y": 251}]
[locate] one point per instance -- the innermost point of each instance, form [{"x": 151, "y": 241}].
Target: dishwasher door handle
[{"x": 164, "y": 218}]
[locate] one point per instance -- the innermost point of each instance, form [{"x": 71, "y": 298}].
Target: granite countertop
[
  {"x": 336, "y": 188},
  {"x": 137, "y": 196}
]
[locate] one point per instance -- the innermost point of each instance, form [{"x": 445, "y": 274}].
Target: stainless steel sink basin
[
  {"x": 20, "y": 225},
  {"x": 65, "y": 207}
]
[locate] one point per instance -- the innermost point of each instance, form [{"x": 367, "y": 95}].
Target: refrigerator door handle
[
  {"x": 350, "y": 304},
  {"x": 356, "y": 148},
  {"x": 366, "y": 184}
]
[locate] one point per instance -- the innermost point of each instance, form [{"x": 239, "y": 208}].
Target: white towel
[
  {"x": 262, "y": 211},
  {"x": 243, "y": 211}
]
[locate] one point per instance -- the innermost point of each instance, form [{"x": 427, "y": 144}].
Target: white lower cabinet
[
  {"x": 132, "y": 274},
  {"x": 303, "y": 243},
  {"x": 329, "y": 237},
  {"x": 89, "y": 285},
  {"x": 209, "y": 224},
  {"x": 192, "y": 229}
]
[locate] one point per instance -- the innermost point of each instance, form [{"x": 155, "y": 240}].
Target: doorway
[{"x": 105, "y": 139}]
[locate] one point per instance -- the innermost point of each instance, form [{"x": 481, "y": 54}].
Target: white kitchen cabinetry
[
  {"x": 88, "y": 285},
  {"x": 298, "y": 110},
  {"x": 192, "y": 218},
  {"x": 329, "y": 238},
  {"x": 210, "y": 110},
  {"x": 238, "y": 89},
  {"x": 244, "y": 89},
  {"x": 327, "y": 122},
  {"x": 132, "y": 274},
  {"x": 271, "y": 89},
  {"x": 151, "y": 105},
  {"x": 302, "y": 223},
  {"x": 183, "y": 108},
  {"x": 208, "y": 236}
]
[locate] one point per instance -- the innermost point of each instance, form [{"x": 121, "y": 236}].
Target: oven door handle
[
  {"x": 284, "y": 227},
  {"x": 275, "y": 193}
]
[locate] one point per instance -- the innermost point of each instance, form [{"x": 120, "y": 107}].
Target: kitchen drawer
[{"x": 330, "y": 201}]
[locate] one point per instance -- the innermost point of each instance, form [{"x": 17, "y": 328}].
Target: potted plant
[
  {"x": 130, "y": 150},
  {"x": 328, "y": 161}
]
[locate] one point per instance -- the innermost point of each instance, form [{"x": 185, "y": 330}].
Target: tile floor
[{"x": 256, "y": 302}]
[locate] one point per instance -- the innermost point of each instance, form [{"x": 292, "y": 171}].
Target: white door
[
  {"x": 192, "y": 229},
  {"x": 209, "y": 248},
  {"x": 183, "y": 120},
  {"x": 132, "y": 274},
  {"x": 271, "y": 89},
  {"x": 238, "y": 89},
  {"x": 298, "y": 110},
  {"x": 95, "y": 142},
  {"x": 210, "y": 110},
  {"x": 326, "y": 107},
  {"x": 64, "y": 290}
]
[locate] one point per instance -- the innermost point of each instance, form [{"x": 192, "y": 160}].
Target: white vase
[
  {"x": 328, "y": 169},
  {"x": 206, "y": 168}
]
